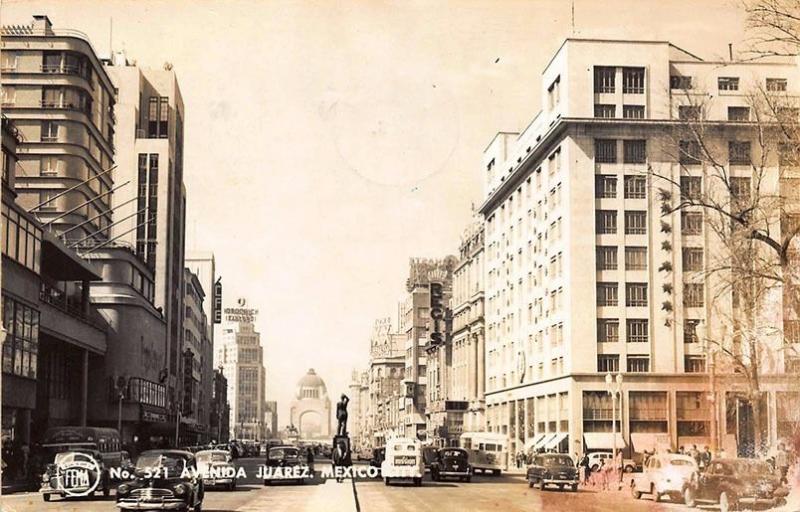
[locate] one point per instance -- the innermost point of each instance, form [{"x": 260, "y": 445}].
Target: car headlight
[
  {"x": 123, "y": 489},
  {"x": 179, "y": 490}
]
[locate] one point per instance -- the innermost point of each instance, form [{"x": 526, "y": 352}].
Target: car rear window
[
  {"x": 557, "y": 461},
  {"x": 680, "y": 462}
]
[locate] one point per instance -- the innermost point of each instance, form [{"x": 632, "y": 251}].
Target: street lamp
[{"x": 614, "y": 387}]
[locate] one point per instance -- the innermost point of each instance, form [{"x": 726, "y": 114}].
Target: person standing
[
  {"x": 705, "y": 458},
  {"x": 782, "y": 462}
]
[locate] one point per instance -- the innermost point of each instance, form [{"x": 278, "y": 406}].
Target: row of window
[
  {"x": 727, "y": 83},
  {"x": 608, "y": 330},
  {"x": 605, "y": 187},
  {"x": 609, "y": 363},
  {"x": 147, "y": 392},
  {"x": 609, "y": 111},
  {"x": 691, "y": 153},
  {"x": 21, "y": 239},
  {"x": 605, "y": 80},
  {"x": 635, "y": 222},
  {"x": 636, "y": 294},
  {"x": 634, "y": 151},
  {"x": 635, "y": 258},
  {"x": 21, "y": 346}
]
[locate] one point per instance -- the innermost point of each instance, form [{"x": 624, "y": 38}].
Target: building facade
[
  {"x": 358, "y": 411},
  {"x": 310, "y": 410},
  {"x": 271, "y": 419},
  {"x": 607, "y": 109},
  {"x": 387, "y": 364},
  {"x": 220, "y": 409},
  {"x": 197, "y": 366},
  {"x": 467, "y": 374}
]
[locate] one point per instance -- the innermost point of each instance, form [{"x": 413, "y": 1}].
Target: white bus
[{"x": 487, "y": 451}]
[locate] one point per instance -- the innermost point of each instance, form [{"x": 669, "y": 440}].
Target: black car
[
  {"x": 164, "y": 480},
  {"x": 286, "y": 463},
  {"x": 731, "y": 482},
  {"x": 451, "y": 463},
  {"x": 56, "y": 482},
  {"x": 378, "y": 456},
  {"x": 553, "y": 469}
]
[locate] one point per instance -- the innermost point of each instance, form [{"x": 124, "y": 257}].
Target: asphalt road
[{"x": 485, "y": 493}]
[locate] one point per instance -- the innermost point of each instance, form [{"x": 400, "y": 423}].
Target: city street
[{"x": 484, "y": 493}]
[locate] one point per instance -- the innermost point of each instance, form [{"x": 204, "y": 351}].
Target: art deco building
[
  {"x": 386, "y": 389},
  {"x": 586, "y": 276}
]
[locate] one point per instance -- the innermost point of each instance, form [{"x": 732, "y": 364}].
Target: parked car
[
  {"x": 378, "y": 456},
  {"x": 731, "y": 482},
  {"x": 286, "y": 463},
  {"x": 451, "y": 463},
  {"x": 55, "y": 481},
  {"x": 553, "y": 469},
  {"x": 403, "y": 461},
  {"x": 165, "y": 480},
  {"x": 628, "y": 465},
  {"x": 667, "y": 474},
  {"x": 217, "y": 468},
  {"x": 428, "y": 456}
]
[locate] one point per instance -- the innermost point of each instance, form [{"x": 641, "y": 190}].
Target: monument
[{"x": 341, "y": 441}]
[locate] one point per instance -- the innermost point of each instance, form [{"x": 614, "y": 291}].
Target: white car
[
  {"x": 403, "y": 461},
  {"x": 665, "y": 474},
  {"x": 595, "y": 457},
  {"x": 216, "y": 468}
]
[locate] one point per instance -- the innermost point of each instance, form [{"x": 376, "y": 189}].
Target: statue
[{"x": 341, "y": 416}]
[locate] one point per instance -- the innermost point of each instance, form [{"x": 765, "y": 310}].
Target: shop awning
[
  {"x": 532, "y": 442},
  {"x": 602, "y": 440},
  {"x": 542, "y": 441},
  {"x": 650, "y": 441},
  {"x": 554, "y": 441}
]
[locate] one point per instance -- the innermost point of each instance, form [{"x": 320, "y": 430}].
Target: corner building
[{"x": 574, "y": 243}]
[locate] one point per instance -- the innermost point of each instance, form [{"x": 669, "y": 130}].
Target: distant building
[
  {"x": 271, "y": 419},
  {"x": 310, "y": 410},
  {"x": 220, "y": 409},
  {"x": 358, "y": 411},
  {"x": 386, "y": 389},
  {"x": 197, "y": 366}
]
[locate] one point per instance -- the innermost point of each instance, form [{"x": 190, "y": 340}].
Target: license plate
[{"x": 405, "y": 461}]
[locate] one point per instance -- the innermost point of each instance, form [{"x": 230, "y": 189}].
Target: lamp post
[{"x": 614, "y": 387}]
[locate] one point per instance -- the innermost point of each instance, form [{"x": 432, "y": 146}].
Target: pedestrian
[
  {"x": 695, "y": 454},
  {"x": 782, "y": 462},
  {"x": 25, "y": 450},
  {"x": 705, "y": 458},
  {"x": 606, "y": 469},
  {"x": 310, "y": 459},
  {"x": 681, "y": 451},
  {"x": 586, "y": 470},
  {"x": 646, "y": 457}
]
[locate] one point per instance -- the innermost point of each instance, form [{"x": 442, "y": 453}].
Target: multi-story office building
[
  {"x": 583, "y": 269},
  {"x": 358, "y": 415},
  {"x": 62, "y": 101},
  {"x": 197, "y": 368},
  {"x": 415, "y": 318},
  {"x": 467, "y": 372},
  {"x": 241, "y": 358},
  {"x": 387, "y": 363},
  {"x": 150, "y": 213}
]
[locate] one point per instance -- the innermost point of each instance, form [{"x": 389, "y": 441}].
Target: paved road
[{"x": 484, "y": 493}]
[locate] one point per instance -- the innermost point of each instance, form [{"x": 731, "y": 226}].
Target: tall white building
[{"x": 584, "y": 276}]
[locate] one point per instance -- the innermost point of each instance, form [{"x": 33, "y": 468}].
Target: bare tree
[{"x": 774, "y": 26}]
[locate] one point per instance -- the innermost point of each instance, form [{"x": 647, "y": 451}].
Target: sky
[{"x": 326, "y": 142}]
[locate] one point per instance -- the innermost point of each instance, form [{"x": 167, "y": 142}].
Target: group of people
[{"x": 606, "y": 473}]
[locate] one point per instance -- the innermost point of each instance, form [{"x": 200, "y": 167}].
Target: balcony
[
  {"x": 69, "y": 305},
  {"x": 64, "y": 69}
]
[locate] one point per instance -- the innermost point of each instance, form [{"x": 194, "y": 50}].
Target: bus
[
  {"x": 104, "y": 440},
  {"x": 488, "y": 452}
]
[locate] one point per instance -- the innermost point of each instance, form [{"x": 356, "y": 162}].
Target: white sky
[{"x": 327, "y": 142}]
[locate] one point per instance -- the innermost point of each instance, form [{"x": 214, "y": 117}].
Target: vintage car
[
  {"x": 164, "y": 480},
  {"x": 217, "y": 468},
  {"x": 75, "y": 473},
  {"x": 628, "y": 465},
  {"x": 286, "y": 464},
  {"x": 451, "y": 463},
  {"x": 378, "y": 456},
  {"x": 553, "y": 469},
  {"x": 667, "y": 474},
  {"x": 403, "y": 461},
  {"x": 428, "y": 456},
  {"x": 731, "y": 482}
]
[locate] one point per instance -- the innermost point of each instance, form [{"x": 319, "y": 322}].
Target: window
[
  {"x": 22, "y": 240},
  {"x": 692, "y": 259},
  {"x": 49, "y": 166},
  {"x": 690, "y": 112},
  {"x": 680, "y": 82},
  {"x": 635, "y": 223},
  {"x": 21, "y": 345},
  {"x": 608, "y": 363},
  {"x": 605, "y": 151},
  {"x": 8, "y": 61},
  {"x": 605, "y": 186},
  {"x": 636, "y": 294},
  {"x": 691, "y": 223},
  {"x": 693, "y": 295},
  {"x": 607, "y": 294},
  {"x": 605, "y": 111},
  {"x": 738, "y": 113},
  {"x": 691, "y": 188},
  {"x": 604, "y": 77},
  {"x": 633, "y": 80},
  {"x": 694, "y": 364},
  {"x": 739, "y": 152},
  {"x": 607, "y": 330},
  {"x": 689, "y": 152},
  {"x": 9, "y": 95},
  {"x": 728, "y": 83},
  {"x": 49, "y": 131},
  {"x": 633, "y": 111},
  {"x": 637, "y": 330},
  {"x": 635, "y": 187},
  {"x": 690, "y": 331},
  {"x": 776, "y": 84},
  {"x": 634, "y": 151},
  {"x": 636, "y": 258},
  {"x": 638, "y": 364},
  {"x": 606, "y": 257},
  {"x": 553, "y": 92},
  {"x": 554, "y": 161},
  {"x": 158, "y": 117},
  {"x": 606, "y": 222}
]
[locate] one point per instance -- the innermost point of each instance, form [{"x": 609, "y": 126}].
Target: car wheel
[
  {"x": 530, "y": 482},
  {"x": 688, "y": 497},
  {"x": 541, "y": 485},
  {"x": 198, "y": 508},
  {"x": 574, "y": 487},
  {"x": 726, "y": 502},
  {"x": 496, "y": 472},
  {"x": 266, "y": 483},
  {"x": 628, "y": 469},
  {"x": 636, "y": 494},
  {"x": 46, "y": 497},
  {"x": 106, "y": 491},
  {"x": 386, "y": 481},
  {"x": 418, "y": 482},
  {"x": 468, "y": 479}
]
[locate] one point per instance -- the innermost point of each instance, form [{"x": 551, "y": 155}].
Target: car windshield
[
  {"x": 557, "y": 461},
  {"x": 68, "y": 457},
  {"x": 283, "y": 453},
  {"x": 452, "y": 453},
  {"x": 169, "y": 461},
  {"x": 211, "y": 457}
]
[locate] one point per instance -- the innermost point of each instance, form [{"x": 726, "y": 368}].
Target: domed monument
[{"x": 311, "y": 408}]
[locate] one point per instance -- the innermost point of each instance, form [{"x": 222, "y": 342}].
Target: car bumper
[
  {"x": 217, "y": 481},
  {"x": 454, "y": 473},
  {"x": 561, "y": 481},
  {"x": 167, "y": 504}
]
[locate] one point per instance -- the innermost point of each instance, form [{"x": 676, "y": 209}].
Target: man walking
[{"x": 782, "y": 462}]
